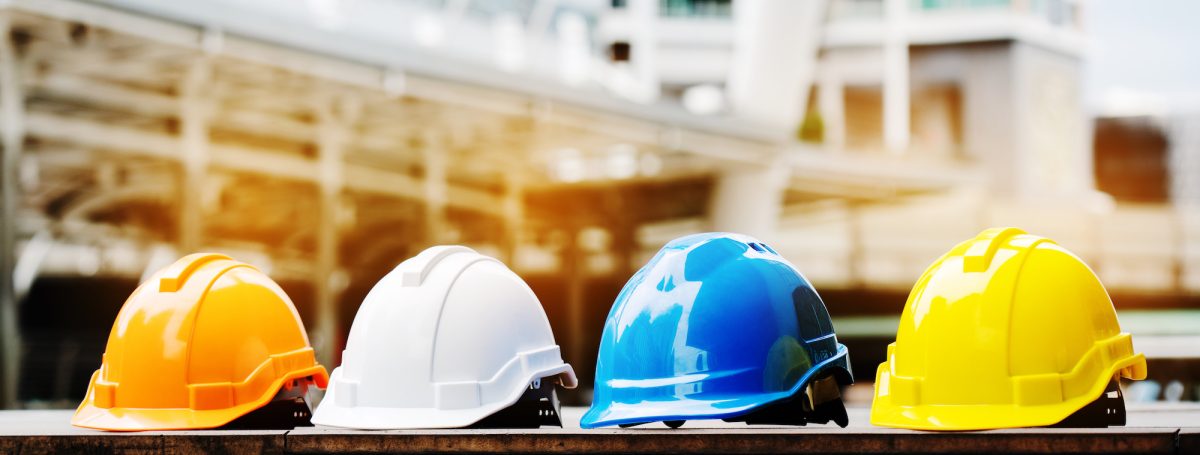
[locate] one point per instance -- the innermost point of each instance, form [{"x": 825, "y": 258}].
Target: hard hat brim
[
  {"x": 332, "y": 414},
  {"x": 993, "y": 416},
  {"x": 88, "y": 415},
  {"x": 618, "y": 413}
]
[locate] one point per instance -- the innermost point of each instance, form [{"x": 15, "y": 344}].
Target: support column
[
  {"x": 514, "y": 217},
  {"x": 749, "y": 200},
  {"x": 196, "y": 104},
  {"x": 856, "y": 254},
  {"x": 576, "y": 296},
  {"x": 12, "y": 128},
  {"x": 895, "y": 78},
  {"x": 433, "y": 153},
  {"x": 831, "y": 103},
  {"x": 643, "y": 49},
  {"x": 775, "y": 51},
  {"x": 334, "y": 115}
]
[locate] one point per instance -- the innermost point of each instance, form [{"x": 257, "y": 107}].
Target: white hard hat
[{"x": 447, "y": 339}]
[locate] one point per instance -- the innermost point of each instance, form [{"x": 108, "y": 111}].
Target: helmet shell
[
  {"x": 714, "y": 326},
  {"x": 447, "y": 338},
  {"x": 202, "y": 342},
  {"x": 1005, "y": 330}
]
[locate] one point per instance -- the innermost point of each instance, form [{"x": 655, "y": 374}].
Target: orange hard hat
[{"x": 202, "y": 342}]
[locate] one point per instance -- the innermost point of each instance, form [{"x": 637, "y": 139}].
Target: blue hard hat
[{"x": 718, "y": 326}]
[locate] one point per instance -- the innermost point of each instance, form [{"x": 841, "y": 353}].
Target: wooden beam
[
  {"x": 151, "y": 104},
  {"x": 132, "y": 141},
  {"x": 721, "y": 139},
  {"x": 101, "y": 93}
]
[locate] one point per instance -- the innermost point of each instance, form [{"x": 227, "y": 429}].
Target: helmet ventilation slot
[
  {"x": 288, "y": 409},
  {"x": 537, "y": 407},
  {"x": 279, "y": 414},
  {"x": 820, "y": 402},
  {"x": 1106, "y": 411}
]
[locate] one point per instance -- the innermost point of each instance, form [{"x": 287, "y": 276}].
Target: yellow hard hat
[
  {"x": 203, "y": 342},
  {"x": 1006, "y": 330}
]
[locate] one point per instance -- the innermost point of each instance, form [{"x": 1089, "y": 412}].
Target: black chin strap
[
  {"x": 287, "y": 410},
  {"x": 538, "y": 406},
  {"x": 1106, "y": 411},
  {"x": 820, "y": 402}
]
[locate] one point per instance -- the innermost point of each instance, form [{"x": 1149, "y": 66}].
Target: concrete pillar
[
  {"x": 856, "y": 253},
  {"x": 334, "y": 114},
  {"x": 514, "y": 215},
  {"x": 576, "y": 296},
  {"x": 749, "y": 200},
  {"x": 643, "y": 48},
  {"x": 895, "y": 78},
  {"x": 775, "y": 49},
  {"x": 12, "y": 130},
  {"x": 831, "y": 103},
  {"x": 433, "y": 153},
  {"x": 196, "y": 105}
]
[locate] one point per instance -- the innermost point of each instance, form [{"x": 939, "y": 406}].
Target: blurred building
[{"x": 326, "y": 141}]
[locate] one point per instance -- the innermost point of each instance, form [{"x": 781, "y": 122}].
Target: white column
[
  {"x": 514, "y": 215},
  {"x": 433, "y": 153},
  {"x": 895, "y": 78},
  {"x": 831, "y": 103},
  {"x": 334, "y": 115},
  {"x": 12, "y": 128},
  {"x": 775, "y": 45},
  {"x": 775, "y": 49},
  {"x": 643, "y": 48},
  {"x": 575, "y": 271},
  {"x": 749, "y": 200},
  {"x": 195, "y": 108}
]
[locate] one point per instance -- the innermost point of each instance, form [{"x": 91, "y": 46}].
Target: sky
[{"x": 1142, "y": 55}]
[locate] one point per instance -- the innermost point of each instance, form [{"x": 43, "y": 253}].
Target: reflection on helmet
[
  {"x": 204, "y": 342},
  {"x": 718, "y": 326},
  {"x": 1006, "y": 330}
]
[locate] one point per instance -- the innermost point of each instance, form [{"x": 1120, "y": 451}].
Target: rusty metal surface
[
  {"x": 708, "y": 440},
  {"x": 1161, "y": 429},
  {"x": 1188, "y": 441}
]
